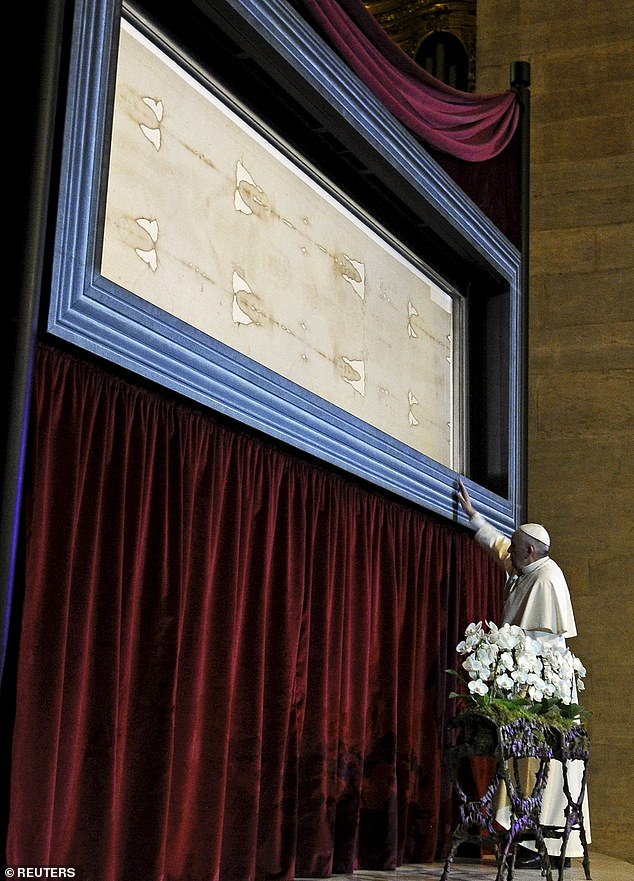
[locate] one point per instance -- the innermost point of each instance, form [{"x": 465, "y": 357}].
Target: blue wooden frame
[{"x": 93, "y": 313}]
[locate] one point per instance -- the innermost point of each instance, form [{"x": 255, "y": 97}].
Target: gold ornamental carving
[{"x": 416, "y": 24}]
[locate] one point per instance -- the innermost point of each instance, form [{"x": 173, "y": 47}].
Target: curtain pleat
[
  {"x": 473, "y": 127},
  {"x": 474, "y": 137},
  {"x": 232, "y": 660}
]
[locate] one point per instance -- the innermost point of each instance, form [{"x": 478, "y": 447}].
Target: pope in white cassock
[{"x": 538, "y": 601}]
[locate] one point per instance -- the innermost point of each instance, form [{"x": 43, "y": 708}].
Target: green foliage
[{"x": 504, "y": 711}]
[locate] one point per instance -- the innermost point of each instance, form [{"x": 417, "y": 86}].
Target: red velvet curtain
[{"x": 232, "y": 659}]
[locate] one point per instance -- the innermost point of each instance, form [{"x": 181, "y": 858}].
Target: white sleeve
[
  {"x": 477, "y": 522},
  {"x": 496, "y": 543}
]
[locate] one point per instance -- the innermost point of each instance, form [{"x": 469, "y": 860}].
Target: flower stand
[
  {"x": 567, "y": 746},
  {"x": 512, "y": 745}
]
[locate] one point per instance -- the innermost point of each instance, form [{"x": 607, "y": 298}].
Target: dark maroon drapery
[
  {"x": 232, "y": 659},
  {"x": 469, "y": 126},
  {"x": 474, "y": 137}
]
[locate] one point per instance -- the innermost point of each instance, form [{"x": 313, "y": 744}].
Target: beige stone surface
[
  {"x": 561, "y": 301},
  {"x": 570, "y": 250},
  {"x": 566, "y": 64},
  {"x": 606, "y": 136},
  {"x": 581, "y": 344},
  {"x": 581, "y": 101},
  {"x": 615, "y": 246},
  {"x": 585, "y": 404},
  {"x": 585, "y": 207},
  {"x": 589, "y": 346},
  {"x": 604, "y": 454}
]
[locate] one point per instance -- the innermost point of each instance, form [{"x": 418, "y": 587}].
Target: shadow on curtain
[{"x": 232, "y": 660}]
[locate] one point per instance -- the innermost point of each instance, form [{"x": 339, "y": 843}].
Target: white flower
[
  {"x": 533, "y": 646},
  {"x": 565, "y": 671},
  {"x": 472, "y": 665},
  {"x": 529, "y": 663},
  {"x": 563, "y": 692},
  {"x": 478, "y": 686},
  {"x": 529, "y": 657},
  {"x": 473, "y": 635},
  {"x": 504, "y": 682},
  {"x": 534, "y": 679},
  {"x": 507, "y": 660},
  {"x": 519, "y": 676},
  {"x": 562, "y": 687},
  {"x": 551, "y": 657},
  {"x": 535, "y": 693},
  {"x": 508, "y": 636},
  {"x": 487, "y": 654}
]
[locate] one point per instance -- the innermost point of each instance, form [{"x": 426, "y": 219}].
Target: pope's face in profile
[{"x": 520, "y": 551}]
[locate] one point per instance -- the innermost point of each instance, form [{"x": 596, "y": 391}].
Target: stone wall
[{"x": 581, "y": 345}]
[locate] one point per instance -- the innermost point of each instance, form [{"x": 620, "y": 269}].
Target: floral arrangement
[{"x": 512, "y": 676}]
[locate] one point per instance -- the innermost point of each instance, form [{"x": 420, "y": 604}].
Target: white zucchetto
[{"x": 534, "y": 530}]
